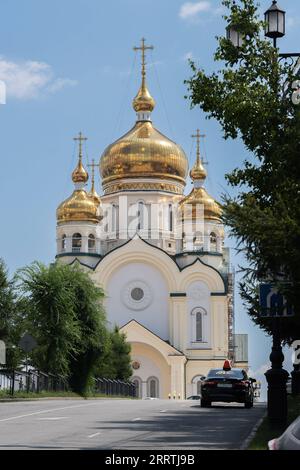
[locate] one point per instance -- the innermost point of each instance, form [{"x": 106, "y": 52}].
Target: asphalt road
[{"x": 124, "y": 424}]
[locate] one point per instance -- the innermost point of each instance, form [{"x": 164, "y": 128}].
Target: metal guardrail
[
  {"x": 35, "y": 381},
  {"x": 111, "y": 387},
  {"x": 32, "y": 381}
]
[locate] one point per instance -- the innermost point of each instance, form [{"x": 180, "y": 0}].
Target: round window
[{"x": 137, "y": 293}]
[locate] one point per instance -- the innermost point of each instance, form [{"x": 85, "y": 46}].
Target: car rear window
[{"x": 228, "y": 374}]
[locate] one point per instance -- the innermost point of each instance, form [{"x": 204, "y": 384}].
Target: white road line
[
  {"x": 163, "y": 411},
  {"x": 136, "y": 419},
  {"x": 47, "y": 411},
  {"x": 94, "y": 435},
  {"x": 52, "y": 419}
]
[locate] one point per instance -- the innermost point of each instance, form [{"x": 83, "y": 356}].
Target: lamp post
[
  {"x": 275, "y": 22},
  {"x": 276, "y": 376}
]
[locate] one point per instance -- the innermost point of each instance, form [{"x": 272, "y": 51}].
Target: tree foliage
[
  {"x": 116, "y": 363},
  {"x": 11, "y": 319},
  {"x": 250, "y": 96}
]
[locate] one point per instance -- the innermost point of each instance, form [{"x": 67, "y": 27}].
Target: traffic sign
[
  {"x": 272, "y": 303},
  {"x": 27, "y": 343}
]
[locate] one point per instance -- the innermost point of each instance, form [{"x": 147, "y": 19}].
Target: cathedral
[{"x": 157, "y": 253}]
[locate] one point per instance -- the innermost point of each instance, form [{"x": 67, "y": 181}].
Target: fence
[
  {"x": 115, "y": 387},
  {"x": 34, "y": 381}
]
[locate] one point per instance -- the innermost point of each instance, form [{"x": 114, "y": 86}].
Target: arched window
[
  {"x": 198, "y": 240},
  {"x": 213, "y": 241},
  {"x": 170, "y": 214},
  {"x": 92, "y": 243},
  {"x": 152, "y": 387},
  {"x": 138, "y": 386},
  {"x": 140, "y": 216},
  {"x": 63, "y": 243},
  {"x": 196, "y": 384},
  {"x": 115, "y": 218},
  {"x": 197, "y": 323},
  {"x": 76, "y": 242},
  {"x": 199, "y": 329}
]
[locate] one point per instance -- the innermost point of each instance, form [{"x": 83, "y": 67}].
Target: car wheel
[
  {"x": 249, "y": 404},
  {"x": 205, "y": 403}
]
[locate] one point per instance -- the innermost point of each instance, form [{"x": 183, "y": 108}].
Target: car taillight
[
  {"x": 242, "y": 383},
  {"x": 272, "y": 445},
  {"x": 210, "y": 382}
]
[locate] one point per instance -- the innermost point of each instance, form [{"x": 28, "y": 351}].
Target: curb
[{"x": 246, "y": 442}]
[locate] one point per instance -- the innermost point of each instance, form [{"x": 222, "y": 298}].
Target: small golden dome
[
  {"x": 80, "y": 175},
  {"x": 198, "y": 171},
  {"x": 143, "y": 153},
  {"x": 199, "y": 197},
  {"x": 78, "y": 207},
  {"x": 143, "y": 100},
  {"x": 94, "y": 195}
]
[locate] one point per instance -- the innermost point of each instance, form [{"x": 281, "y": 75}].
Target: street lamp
[
  {"x": 276, "y": 376},
  {"x": 234, "y": 35},
  {"x": 275, "y": 22}
]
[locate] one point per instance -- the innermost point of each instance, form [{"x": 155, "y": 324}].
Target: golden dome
[
  {"x": 198, "y": 171},
  {"x": 80, "y": 175},
  {"x": 78, "y": 207},
  {"x": 143, "y": 153},
  {"x": 199, "y": 197},
  {"x": 143, "y": 100}
]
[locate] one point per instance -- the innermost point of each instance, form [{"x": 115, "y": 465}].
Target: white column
[{"x": 177, "y": 377}]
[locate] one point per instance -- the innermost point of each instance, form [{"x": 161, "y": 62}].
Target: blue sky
[{"x": 69, "y": 66}]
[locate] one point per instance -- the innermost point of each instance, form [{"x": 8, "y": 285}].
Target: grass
[
  {"x": 268, "y": 431},
  {"x": 4, "y": 394}
]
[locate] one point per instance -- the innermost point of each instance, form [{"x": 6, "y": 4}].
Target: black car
[{"x": 227, "y": 385}]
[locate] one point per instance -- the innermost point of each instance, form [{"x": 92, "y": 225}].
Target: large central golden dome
[
  {"x": 143, "y": 158},
  {"x": 143, "y": 153}
]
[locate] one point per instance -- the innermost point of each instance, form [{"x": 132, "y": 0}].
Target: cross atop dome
[
  {"x": 143, "y": 48},
  {"x": 80, "y": 138},
  {"x": 198, "y": 171},
  {"x": 80, "y": 175},
  {"x": 143, "y": 103}
]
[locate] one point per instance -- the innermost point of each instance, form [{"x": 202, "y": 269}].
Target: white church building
[{"x": 158, "y": 255}]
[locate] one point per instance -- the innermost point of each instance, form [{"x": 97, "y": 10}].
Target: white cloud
[
  {"x": 189, "y": 10},
  {"x": 30, "y": 79},
  {"x": 60, "y": 83}
]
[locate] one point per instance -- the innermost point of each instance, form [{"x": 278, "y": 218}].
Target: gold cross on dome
[
  {"x": 143, "y": 48},
  {"x": 93, "y": 165},
  {"x": 80, "y": 138},
  {"x": 198, "y": 136}
]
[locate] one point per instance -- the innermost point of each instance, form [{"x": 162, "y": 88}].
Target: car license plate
[{"x": 224, "y": 385}]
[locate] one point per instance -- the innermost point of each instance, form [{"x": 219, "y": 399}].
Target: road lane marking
[
  {"x": 46, "y": 411},
  {"x": 94, "y": 435},
  {"x": 52, "y": 419},
  {"x": 136, "y": 419},
  {"x": 163, "y": 411}
]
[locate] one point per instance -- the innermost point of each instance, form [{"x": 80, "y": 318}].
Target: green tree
[
  {"x": 10, "y": 320},
  {"x": 49, "y": 306},
  {"x": 116, "y": 363},
  {"x": 250, "y": 96},
  {"x": 94, "y": 335}
]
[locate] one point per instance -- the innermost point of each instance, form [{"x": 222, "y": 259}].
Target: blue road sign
[{"x": 272, "y": 303}]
